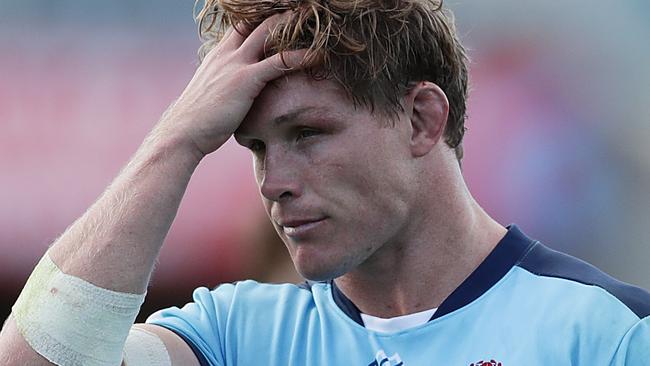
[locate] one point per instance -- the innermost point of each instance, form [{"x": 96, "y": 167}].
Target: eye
[{"x": 306, "y": 132}]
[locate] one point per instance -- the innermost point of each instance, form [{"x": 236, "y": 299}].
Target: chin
[
  {"x": 316, "y": 275},
  {"x": 316, "y": 263},
  {"x": 319, "y": 272}
]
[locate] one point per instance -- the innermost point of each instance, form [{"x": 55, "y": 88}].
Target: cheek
[
  {"x": 364, "y": 176},
  {"x": 259, "y": 177},
  {"x": 257, "y": 170},
  {"x": 359, "y": 186},
  {"x": 378, "y": 192}
]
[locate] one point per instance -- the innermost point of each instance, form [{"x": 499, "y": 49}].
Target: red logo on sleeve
[{"x": 486, "y": 363}]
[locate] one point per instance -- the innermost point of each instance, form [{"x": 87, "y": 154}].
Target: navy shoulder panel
[{"x": 544, "y": 261}]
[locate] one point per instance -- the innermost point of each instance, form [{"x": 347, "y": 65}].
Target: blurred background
[{"x": 558, "y": 140}]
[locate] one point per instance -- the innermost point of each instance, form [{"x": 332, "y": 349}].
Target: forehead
[{"x": 298, "y": 94}]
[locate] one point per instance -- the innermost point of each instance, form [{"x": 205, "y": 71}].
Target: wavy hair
[{"x": 374, "y": 49}]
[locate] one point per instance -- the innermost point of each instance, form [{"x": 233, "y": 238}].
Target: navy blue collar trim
[
  {"x": 345, "y": 304},
  {"x": 508, "y": 252}
]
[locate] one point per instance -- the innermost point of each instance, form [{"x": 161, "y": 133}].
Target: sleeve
[
  {"x": 634, "y": 349},
  {"x": 200, "y": 323}
]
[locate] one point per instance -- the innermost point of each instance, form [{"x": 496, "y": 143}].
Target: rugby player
[{"x": 354, "y": 113}]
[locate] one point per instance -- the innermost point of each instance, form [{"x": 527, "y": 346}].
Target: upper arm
[
  {"x": 178, "y": 350},
  {"x": 200, "y": 323}
]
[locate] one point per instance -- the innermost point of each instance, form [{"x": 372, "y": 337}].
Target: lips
[
  {"x": 297, "y": 228},
  {"x": 297, "y": 222}
]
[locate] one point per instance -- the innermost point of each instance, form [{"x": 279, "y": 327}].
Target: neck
[{"x": 437, "y": 250}]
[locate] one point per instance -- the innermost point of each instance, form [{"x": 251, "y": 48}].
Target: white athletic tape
[
  {"x": 144, "y": 348},
  {"x": 72, "y": 322}
]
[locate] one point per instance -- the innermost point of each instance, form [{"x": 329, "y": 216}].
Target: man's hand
[{"x": 225, "y": 85}]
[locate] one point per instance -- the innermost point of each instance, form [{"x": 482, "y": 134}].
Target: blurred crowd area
[{"x": 557, "y": 142}]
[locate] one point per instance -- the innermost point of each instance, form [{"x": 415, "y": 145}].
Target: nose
[{"x": 277, "y": 176}]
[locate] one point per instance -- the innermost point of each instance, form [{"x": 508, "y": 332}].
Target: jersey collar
[{"x": 508, "y": 252}]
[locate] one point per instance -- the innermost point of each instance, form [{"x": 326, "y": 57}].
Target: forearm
[{"x": 114, "y": 244}]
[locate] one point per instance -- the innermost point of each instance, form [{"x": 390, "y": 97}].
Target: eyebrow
[
  {"x": 296, "y": 113},
  {"x": 290, "y": 116}
]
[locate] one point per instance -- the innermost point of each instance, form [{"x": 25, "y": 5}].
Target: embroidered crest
[
  {"x": 486, "y": 363},
  {"x": 381, "y": 359}
]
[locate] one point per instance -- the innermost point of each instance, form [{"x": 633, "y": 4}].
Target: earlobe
[{"x": 429, "y": 112}]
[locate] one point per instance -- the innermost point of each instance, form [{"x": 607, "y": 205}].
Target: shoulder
[
  {"x": 219, "y": 305},
  {"x": 588, "y": 280},
  {"x": 571, "y": 304},
  {"x": 250, "y": 290},
  {"x": 229, "y": 297},
  {"x": 243, "y": 310},
  {"x": 240, "y": 297}
]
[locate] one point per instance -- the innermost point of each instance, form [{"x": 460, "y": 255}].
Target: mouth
[{"x": 300, "y": 228}]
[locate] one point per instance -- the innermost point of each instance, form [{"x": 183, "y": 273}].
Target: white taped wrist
[{"x": 70, "y": 321}]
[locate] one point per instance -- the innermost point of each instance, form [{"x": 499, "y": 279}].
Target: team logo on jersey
[
  {"x": 486, "y": 363},
  {"x": 382, "y": 360}
]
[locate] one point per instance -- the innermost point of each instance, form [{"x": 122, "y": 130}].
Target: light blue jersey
[{"x": 524, "y": 305}]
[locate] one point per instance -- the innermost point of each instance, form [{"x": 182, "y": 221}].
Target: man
[{"x": 354, "y": 113}]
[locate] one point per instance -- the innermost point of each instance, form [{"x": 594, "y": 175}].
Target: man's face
[{"x": 334, "y": 179}]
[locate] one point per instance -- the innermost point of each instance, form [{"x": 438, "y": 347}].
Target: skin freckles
[
  {"x": 382, "y": 206},
  {"x": 331, "y": 161}
]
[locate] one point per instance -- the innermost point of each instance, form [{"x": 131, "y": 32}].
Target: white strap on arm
[
  {"x": 72, "y": 322},
  {"x": 144, "y": 348}
]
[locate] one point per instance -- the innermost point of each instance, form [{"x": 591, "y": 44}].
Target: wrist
[
  {"x": 175, "y": 147},
  {"x": 191, "y": 130}
]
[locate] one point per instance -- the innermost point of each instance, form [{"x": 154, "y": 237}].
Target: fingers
[
  {"x": 249, "y": 39},
  {"x": 248, "y": 42},
  {"x": 253, "y": 47},
  {"x": 278, "y": 65},
  {"x": 235, "y": 36}
]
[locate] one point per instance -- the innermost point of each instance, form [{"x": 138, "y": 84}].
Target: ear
[{"x": 428, "y": 108}]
